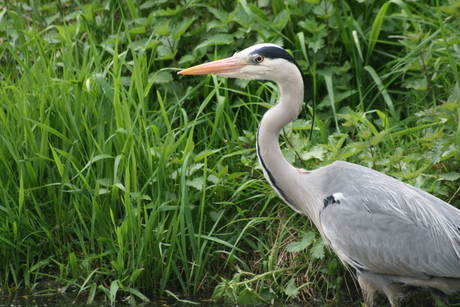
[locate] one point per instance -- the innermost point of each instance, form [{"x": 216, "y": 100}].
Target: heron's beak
[{"x": 222, "y": 67}]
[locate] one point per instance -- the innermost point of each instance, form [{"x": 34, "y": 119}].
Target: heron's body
[{"x": 393, "y": 234}]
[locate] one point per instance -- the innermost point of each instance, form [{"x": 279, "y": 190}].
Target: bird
[{"x": 394, "y": 236}]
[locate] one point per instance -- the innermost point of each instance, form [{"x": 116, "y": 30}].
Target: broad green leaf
[
  {"x": 316, "y": 152},
  {"x": 268, "y": 294},
  {"x": 315, "y": 44},
  {"x": 197, "y": 183},
  {"x": 306, "y": 241},
  {"x": 324, "y": 10},
  {"x": 165, "y": 52},
  {"x": 258, "y": 12},
  {"x": 291, "y": 289},
  {"x": 186, "y": 59},
  {"x": 148, "y": 4},
  {"x": 218, "y": 13},
  {"x": 280, "y": 20},
  {"x": 218, "y": 39},
  {"x": 450, "y": 176},
  {"x": 243, "y": 14},
  {"x": 247, "y": 296},
  {"x": 212, "y": 178},
  {"x": 180, "y": 28},
  {"x": 167, "y": 12},
  {"x": 163, "y": 77},
  {"x": 194, "y": 167},
  {"x": 137, "y": 30},
  {"x": 317, "y": 251},
  {"x": 114, "y": 286},
  {"x": 139, "y": 294},
  {"x": 163, "y": 29},
  {"x": 376, "y": 139}
]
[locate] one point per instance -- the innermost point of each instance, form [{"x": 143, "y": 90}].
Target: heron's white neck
[
  {"x": 279, "y": 173},
  {"x": 285, "y": 111}
]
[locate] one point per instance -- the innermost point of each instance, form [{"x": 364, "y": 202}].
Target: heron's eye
[{"x": 259, "y": 59}]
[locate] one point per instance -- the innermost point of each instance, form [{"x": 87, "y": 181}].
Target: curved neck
[
  {"x": 276, "y": 169},
  {"x": 299, "y": 189}
]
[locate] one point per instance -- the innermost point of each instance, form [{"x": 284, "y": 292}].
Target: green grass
[{"x": 123, "y": 179}]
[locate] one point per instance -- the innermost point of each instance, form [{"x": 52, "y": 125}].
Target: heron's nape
[{"x": 394, "y": 235}]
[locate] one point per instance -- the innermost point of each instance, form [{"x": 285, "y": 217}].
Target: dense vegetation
[{"x": 121, "y": 178}]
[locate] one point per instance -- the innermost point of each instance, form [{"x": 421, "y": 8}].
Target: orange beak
[{"x": 221, "y": 67}]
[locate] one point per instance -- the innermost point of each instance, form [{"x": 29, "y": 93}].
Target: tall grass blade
[{"x": 382, "y": 90}]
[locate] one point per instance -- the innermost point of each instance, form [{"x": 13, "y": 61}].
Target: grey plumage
[{"x": 394, "y": 235}]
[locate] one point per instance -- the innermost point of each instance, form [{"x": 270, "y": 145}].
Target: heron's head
[{"x": 261, "y": 62}]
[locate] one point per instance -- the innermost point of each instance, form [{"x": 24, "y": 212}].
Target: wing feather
[
  {"x": 386, "y": 226},
  {"x": 386, "y": 244}
]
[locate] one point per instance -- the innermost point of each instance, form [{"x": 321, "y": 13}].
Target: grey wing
[{"x": 385, "y": 243}]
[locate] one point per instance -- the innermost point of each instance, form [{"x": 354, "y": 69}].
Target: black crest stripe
[{"x": 279, "y": 53}]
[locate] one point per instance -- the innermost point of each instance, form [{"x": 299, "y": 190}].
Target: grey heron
[{"x": 394, "y": 235}]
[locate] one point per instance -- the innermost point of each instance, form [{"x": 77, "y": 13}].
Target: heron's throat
[{"x": 276, "y": 168}]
